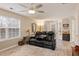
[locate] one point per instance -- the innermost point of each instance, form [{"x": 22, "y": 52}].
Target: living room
[{"x": 20, "y": 20}]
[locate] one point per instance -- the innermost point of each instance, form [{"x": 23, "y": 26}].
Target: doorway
[{"x": 51, "y": 26}]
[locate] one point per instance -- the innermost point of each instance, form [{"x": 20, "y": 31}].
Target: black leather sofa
[{"x": 44, "y": 39}]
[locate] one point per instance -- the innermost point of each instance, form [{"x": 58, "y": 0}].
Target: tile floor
[{"x": 29, "y": 50}]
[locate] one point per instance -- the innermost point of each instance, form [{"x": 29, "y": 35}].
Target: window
[
  {"x": 9, "y": 27},
  {"x": 2, "y": 33}
]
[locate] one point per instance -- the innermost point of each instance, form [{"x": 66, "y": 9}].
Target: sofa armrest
[{"x": 75, "y": 51}]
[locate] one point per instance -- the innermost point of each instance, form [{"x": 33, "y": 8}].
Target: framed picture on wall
[{"x": 65, "y": 25}]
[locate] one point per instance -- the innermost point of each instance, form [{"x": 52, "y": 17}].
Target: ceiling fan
[{"x": 32, "y": 9}]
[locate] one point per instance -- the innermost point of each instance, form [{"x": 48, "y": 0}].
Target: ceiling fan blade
[
  {"x": 38, "y": 6},
  {"x": 23, "y": 5},
  {"x": 41, "y": 11},
  {"x": 22, "y": 11}
]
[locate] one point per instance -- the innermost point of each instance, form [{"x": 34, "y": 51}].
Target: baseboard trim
[{"x": 8, "y": 48}]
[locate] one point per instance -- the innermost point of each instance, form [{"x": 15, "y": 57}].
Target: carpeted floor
[{"x": 29, "y": 50}]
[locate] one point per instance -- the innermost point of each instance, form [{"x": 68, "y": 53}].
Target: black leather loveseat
[{"x": 44, "y": 39}]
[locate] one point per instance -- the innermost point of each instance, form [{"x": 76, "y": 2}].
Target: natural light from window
[{"x": 9, "y": 28}]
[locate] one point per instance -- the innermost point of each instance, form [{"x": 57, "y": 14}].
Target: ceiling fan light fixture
[{"x": 31, "y": 12}]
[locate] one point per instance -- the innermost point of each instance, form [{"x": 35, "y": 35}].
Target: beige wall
[{"x": 25, "y": 25}]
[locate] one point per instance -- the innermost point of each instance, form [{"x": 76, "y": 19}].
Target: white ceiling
[{"x": 52, "y": 10}]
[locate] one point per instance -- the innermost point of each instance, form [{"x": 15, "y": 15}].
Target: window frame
[{"x": 7, "y": 28}]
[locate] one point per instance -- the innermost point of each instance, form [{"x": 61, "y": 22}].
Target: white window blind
[{"x": 9, "y": 27}]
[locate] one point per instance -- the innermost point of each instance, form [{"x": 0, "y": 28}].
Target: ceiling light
[{"x": 31, "y": 11}]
